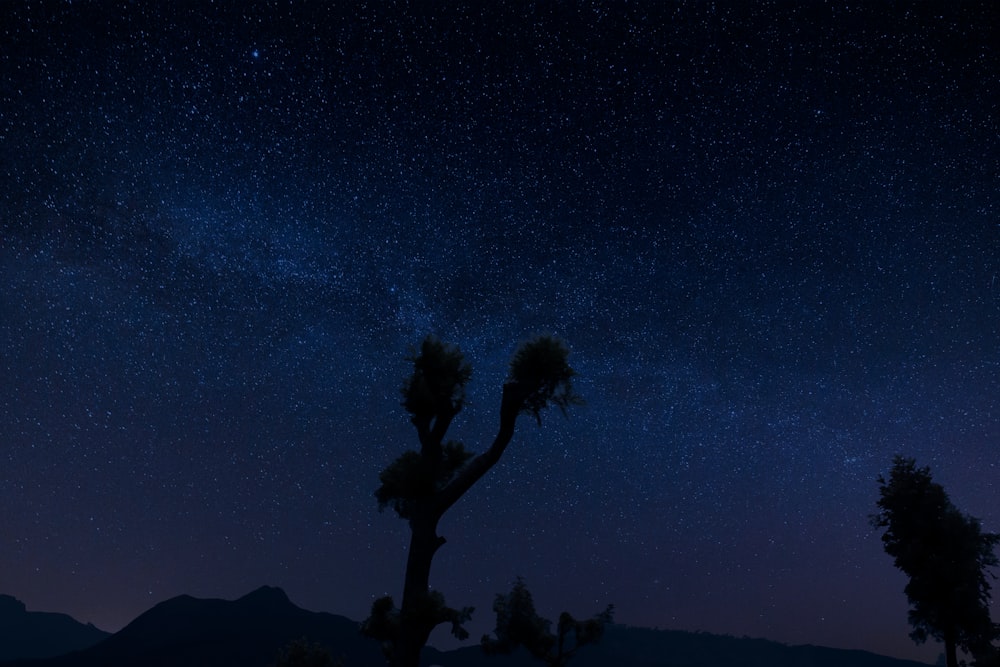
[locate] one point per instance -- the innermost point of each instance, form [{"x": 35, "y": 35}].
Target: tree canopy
[{"x": 946, "y": 555}]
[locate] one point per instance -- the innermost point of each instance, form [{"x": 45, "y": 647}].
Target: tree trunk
[
  {"x": 950, "y": 652},
  {"x": 416, "y": 625}
]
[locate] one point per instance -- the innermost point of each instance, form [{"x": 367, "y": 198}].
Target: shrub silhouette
[{"x": 519, "y": 625}]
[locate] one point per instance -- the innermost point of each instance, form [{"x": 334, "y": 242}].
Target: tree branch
[
  {"x": 441, "y": 424},
  {"x": 510, "y": 405},
  {"x": 423, "y": 425}
]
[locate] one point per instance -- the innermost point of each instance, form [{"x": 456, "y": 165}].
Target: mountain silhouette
[
  {"x": 38, "y": 634},
  {"x": 249, "y": 632}
]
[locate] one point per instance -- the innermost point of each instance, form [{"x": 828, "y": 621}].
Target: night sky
[{"x": 768, "y": 232}]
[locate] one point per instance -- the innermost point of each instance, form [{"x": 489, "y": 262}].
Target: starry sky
[{"x": 768, "y": 232}]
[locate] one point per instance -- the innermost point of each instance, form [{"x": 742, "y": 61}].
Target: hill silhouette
[
  {"x": 190, "y": 632},
  {"x": 624, "y": 646},
  {"x": 39, "y": 634},
  {"x": 246, "y": 632}
]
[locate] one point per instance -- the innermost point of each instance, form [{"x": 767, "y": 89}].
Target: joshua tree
[
  {"x": 519, "y": 625},
  {"x": 944, "y": 553},
  {"x": 421, "y": 485}
]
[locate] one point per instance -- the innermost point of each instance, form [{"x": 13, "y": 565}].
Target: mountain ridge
[
  {"x": 251, "y": 630},
  {"x": 41, "y": 634}
]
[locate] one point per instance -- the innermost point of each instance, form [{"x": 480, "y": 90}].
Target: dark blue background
[{"x": 769, "y": 232}]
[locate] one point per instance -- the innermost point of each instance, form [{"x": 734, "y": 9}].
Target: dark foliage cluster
[
  {"x": 518, "y": 624},
  {"x": 386, "y": 620},
  {"x": 412, "y": 477},
  {"x": 437, "y": 385},
  {"x": 541, "y": 367},
  {"x": 301, "y": 653}
]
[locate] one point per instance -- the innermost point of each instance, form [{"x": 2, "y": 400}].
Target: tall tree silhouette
[
  {"x": 518, "y": 624},
  {"x": 944, "y": 553},
  {"x": 421, "y": 485}
]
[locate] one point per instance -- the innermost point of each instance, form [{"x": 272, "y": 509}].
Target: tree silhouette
[
  {"x": 422, "y": 485},
  {"x": 519, "y": 625},
  {"x": 944, "y": 553}
]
